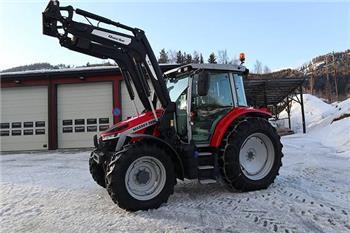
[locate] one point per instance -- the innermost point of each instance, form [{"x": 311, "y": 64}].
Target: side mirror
[
  {"x": 203, "y": 83},
  {"x": 246, "y": 72}
]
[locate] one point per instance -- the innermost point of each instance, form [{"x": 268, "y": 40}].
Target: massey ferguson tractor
[{"x": 195, "y": 122}]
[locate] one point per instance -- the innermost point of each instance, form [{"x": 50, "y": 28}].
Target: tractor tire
[
  {"x": 140, "y": 177},
  {"x": 252, "y": 156},
  {"x": 97, "y": 172}
]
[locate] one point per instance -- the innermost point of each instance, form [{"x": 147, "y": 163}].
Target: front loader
[{"x": 195, "y": 122}]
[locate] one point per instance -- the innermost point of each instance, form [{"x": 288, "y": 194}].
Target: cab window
[{"x": 208, "y": 110}]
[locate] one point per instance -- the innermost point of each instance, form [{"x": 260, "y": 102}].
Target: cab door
[{"x": 206, "y": 111}]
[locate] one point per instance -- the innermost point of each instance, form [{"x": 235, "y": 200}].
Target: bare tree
[
  {"x": 196, "y": 57},
  {"x": 335, "y": 77},
  {"x": 172, "y": 56},
  {"x": 267, "y": 70},
  {"x": 235, "y": 60},
  {"x": 258, "y": 67},
  {"x": 223, "y": 57}
]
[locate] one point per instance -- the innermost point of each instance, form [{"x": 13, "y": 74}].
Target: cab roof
[{"x": 195, "y": 66}]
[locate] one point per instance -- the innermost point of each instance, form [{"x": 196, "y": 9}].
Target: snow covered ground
[{"x": 53, "y": 192}]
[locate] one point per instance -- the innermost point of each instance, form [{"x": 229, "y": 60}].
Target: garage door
[
  {"x": 83, "y": 110},
  {"x": 128, "y": 108},
  {"x": 24, "y": 118}
]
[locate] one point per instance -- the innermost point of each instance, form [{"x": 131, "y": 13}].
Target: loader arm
[{"x": 132, "y": 52}]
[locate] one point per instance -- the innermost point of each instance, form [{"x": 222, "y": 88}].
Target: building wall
[{"x": 52, "y": 84}]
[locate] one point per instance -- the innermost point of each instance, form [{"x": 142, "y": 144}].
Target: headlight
[{"x": 109, "y": 137}]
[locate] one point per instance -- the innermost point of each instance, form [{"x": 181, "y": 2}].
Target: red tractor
[{"x": 195, "y": 123}]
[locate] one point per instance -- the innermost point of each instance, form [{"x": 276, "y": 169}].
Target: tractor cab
[{"x": 204, "y": 94}]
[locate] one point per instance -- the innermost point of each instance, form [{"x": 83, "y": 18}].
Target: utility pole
[{"x": 335, "y": 78}]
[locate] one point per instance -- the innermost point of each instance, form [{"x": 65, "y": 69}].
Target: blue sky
[{"x": 279, "y": 34}]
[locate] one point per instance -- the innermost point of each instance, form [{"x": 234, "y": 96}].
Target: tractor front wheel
[
  {"x": 140, "y": 177},
  {"x": 252, "y": 156},
  {"x": 97, "y": 172}
]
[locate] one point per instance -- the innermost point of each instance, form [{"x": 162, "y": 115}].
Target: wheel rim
[
  {"x": 257, "y": 156},
  {"x": 145, "y": 178}
]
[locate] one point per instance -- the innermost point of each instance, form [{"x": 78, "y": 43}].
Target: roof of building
[
  {"x": 264, "y": 92},
  {"x": 84, "y": 71}
]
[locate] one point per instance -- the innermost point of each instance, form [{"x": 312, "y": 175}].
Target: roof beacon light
[{"x": 242, "y": 57}]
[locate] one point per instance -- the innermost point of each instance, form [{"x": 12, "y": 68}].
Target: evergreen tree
[
  {"x": 163, "y": 57},
  {"x": 179, "y": 57},
  {"x": 201, "y": 60},
  {"x": 188, "y": 59},
  {"x": 212, "y": 58}
]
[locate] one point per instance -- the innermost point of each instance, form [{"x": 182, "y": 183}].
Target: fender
[
  {"x": 174, "y": 155},
  {"x": 230, "y": 117}
]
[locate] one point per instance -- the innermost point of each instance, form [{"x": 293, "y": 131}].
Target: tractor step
[
  {"x": 206, "y": 170},
  {"x": 205, "y": 167},
  {"x": 207, "y": 181},
  {"x": 201, "y": 154}
]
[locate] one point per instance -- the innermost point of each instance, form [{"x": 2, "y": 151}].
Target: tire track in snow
[{"x": 61, "y": 188}]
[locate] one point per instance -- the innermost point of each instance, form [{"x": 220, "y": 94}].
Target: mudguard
[
  {"x": 233, "y": 115},
  {"x": 174, "y": 155}
]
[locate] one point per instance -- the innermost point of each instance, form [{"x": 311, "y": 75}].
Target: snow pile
[
  {"x": 323, "y": 121},
  {"x": 315, "y": 111},
  {"x": 336, "y": 135}
]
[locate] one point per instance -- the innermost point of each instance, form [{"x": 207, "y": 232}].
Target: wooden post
[
  {"x": 288, "y": 112},
  {"x": 302, "y": 108}
]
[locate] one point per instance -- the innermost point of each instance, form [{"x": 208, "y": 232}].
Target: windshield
[{"x": 176, "y": 87}]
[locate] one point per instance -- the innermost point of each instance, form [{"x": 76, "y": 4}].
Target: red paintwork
[
  {"x": 132, "y": 122},
  {"x": 265, "y": 110},
  {"x": 226, "y": 121}
]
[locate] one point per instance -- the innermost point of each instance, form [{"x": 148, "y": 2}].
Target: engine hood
[{"x": 132, "y": 125}]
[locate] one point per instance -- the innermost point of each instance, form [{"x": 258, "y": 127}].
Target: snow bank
[
  {"x": 335, "y": 135},
  {"x": 322, "y": 121},
  {"x": 318, "y": 114},
  {"x": 315, "y": 112}
]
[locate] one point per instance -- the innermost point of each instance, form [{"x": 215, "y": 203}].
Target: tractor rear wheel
[
  {"x": 97, "y": 172},
  {"x": 140, "y": 177},
  {"x": 252, "y": 156}
]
